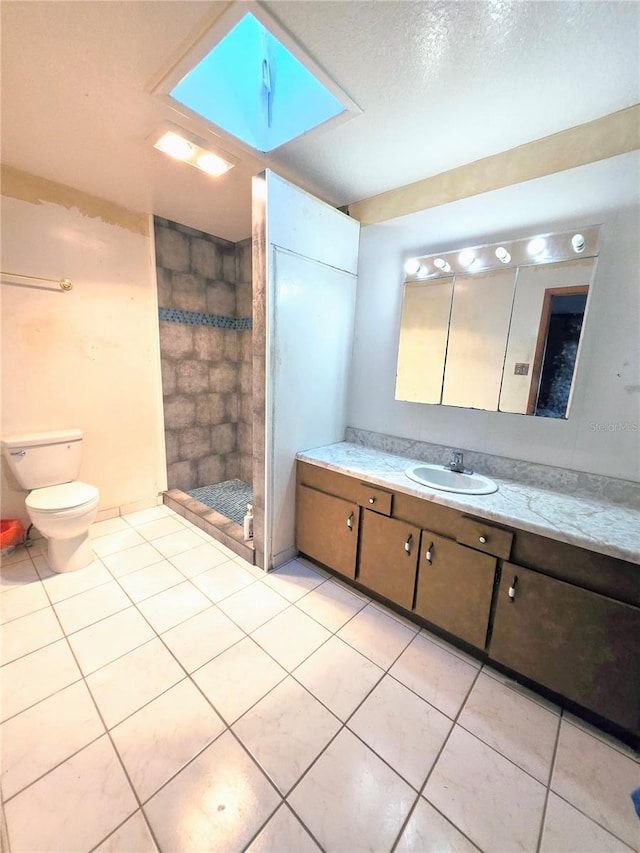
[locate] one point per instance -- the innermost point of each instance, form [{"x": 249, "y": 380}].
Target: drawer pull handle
[
  {"x": 372, "y": 500},
  {"x": 429, "y": 553},
  {"x": 350, "y": 521},
  {"x": 17, "y": 452},
  {"x": 482, "y": 540},
  {"x": 407, "y": 544},
  {"x": 512, "y": 589}
]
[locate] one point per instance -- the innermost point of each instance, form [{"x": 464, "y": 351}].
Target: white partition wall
[{"x": 308, "y": 268}]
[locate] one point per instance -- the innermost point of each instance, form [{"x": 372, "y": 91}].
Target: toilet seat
[{"x": 66, "y": 496}]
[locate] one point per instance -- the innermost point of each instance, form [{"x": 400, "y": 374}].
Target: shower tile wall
[
  {"x": 244, "y": 308},
  {"x": 202, "y": 365}
]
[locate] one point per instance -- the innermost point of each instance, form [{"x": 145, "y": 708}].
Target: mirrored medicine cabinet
[{"x": 497, "y": 327}]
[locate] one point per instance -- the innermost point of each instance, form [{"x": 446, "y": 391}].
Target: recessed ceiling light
[
  {"x": 212, "y": 164},
  {"x": 174, "y": 145},
  {"x": 184, "y": 146}
]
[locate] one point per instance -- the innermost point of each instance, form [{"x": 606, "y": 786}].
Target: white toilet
[{"x": 61, "y": 507}]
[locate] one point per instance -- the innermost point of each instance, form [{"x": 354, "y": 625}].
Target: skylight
[{"x": 254, "y": 88}]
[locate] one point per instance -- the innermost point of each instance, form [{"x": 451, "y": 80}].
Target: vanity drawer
[
  {"x": 374, "y": 498},
  {"x": 484, "y": 536}
]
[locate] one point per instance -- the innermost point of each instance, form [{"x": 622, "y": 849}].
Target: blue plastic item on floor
[{"x": 635, "y": 798}]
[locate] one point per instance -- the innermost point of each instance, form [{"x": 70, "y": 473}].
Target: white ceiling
[{"x": 440, "y": 84}]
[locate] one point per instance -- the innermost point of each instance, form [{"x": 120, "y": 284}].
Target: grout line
[{"x": 548, "y": 785}]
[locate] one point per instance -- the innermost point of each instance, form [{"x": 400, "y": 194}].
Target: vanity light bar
[{"x": 527, "y": 251}]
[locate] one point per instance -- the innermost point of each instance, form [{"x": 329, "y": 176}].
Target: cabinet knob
[
  {"x": 372, "y": 500},
  {"x": 350, "y": 521},
  {"x": 482, "y": 539},
  {"x": 512, "y": 589},
  {"x": 428, "y": 556},
  {"x": 407, "y": 544}
]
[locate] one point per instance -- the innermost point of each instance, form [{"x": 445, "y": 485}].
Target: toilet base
[{"x": 69, "y": 555}]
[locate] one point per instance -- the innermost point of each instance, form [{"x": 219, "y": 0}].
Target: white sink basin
[{"x": 441, "y": 478}]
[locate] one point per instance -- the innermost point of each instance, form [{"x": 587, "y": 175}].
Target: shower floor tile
[{"x": 229, "y": 498}]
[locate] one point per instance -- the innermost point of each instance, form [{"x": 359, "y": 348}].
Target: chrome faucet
[{"x": 457, "y": 464}]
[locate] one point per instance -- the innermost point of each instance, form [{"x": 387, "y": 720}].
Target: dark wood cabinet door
[
  {"x": 573, "y": 641},
  {"x": 327, "y": 529},
  {"x": 455, "y": 586},
  {"x": 388, "y": 557}
]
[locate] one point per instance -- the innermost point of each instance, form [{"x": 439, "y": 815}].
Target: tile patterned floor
[{"x": 172, "y": 697}]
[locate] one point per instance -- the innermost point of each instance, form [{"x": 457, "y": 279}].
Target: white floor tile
[
  {"x": 339, "y": 676},
  {"x": 331, "y": 604},
  {"x": 146, "y": 582},
  {"x": 107, "y": 527},
  {"x": 76, "y": 804},
  {"x": 144, "y": 516},
  {"x": 66, "y": 584},
  {"x": 19, "y": 555},
  {"x": 519, "y": 728},
  {"x": 493, "y": 802},
  {"x": 132, "y": 837},
  {"x": 238, "y": 678},
  {"x": 104, "y": 641},
  {"x": 199, "y": 639},
  {"x": 159, "y": 739},
  {"x": 173, "y": 606},
  {"x": 439, "y": 676},
  {"x": 14, "y": 575},
  {"x": 429, "y": 832},
  {"x": 401, "y": 728},
  {"x": 124, "y": 686},
  {"x": 286, "y": 731},
  {"x": 449, "y": 647},
  {"x": 276, "y": 636},
  {"x": 253, "y": 606},
  {"x": 350, "y": 799},
  {"x": 174, "y": 543},
  {"x": 28, "y": 634},
  {"x": 120, "y": 541},
  {"x": 197, "y": 560},
  {"x": 568, "y": 830},
  {"x": 34, "y": 677},
  {"x": 223, "y": 580},
  {"x": 38, "y": 739},
  {"x": 138, "y": 557},
  {"x": 285, "y": 834},
  {"x": 598, "y": 780},
  {"x": 293, "y": 580},
  {"x": 159, "y": 527},
  {"x": 19, "y": 601},
  {"x": 218, "y": 802},
  {"x": 377, "y": 635},
  {"x": 84, "y": 609}
]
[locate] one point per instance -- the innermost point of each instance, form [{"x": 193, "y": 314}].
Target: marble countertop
[{"x": 590, "y": 523}]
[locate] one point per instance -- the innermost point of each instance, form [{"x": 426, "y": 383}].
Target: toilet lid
[{"x": 64, "y": 496}]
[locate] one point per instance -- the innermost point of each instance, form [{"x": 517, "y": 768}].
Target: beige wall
[{"x": 88, "y": 358}]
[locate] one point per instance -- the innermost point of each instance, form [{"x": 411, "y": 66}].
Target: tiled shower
[{"x": 205, "y": 303}]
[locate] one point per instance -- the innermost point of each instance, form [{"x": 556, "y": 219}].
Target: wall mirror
[{"x": 497, "y": 326}]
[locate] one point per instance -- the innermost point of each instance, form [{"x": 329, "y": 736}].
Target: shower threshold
[{"x": 218, "y": 515}]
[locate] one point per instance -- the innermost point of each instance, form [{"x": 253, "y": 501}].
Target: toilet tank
[{"x": 42, "y": 459}]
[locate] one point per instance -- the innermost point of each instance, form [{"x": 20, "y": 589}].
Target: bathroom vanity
[{"x": 509, "y": 577}]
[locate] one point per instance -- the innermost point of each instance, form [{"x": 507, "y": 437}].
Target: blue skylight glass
[{"x": 251, "y": 86}]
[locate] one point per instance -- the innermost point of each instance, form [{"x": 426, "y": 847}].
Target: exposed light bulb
[
  {"x": 175, "y": 146},
  {"x": 536, "y": 246},
  {"x": 212, "y": 164},
  {"x": 442, "y": 265},
  {"x": 412, "y": 266},
  {"x": 578, "y": 243},
  {"x": 466, "y": 258},
  {"x": 502, "y": 255}
]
